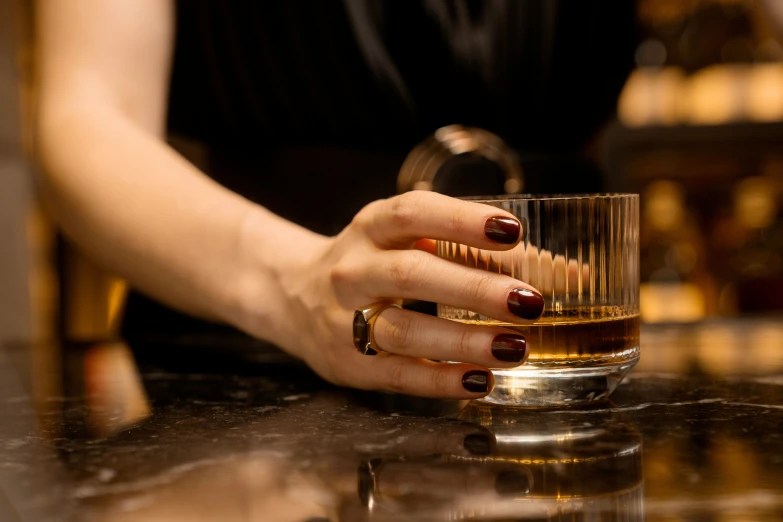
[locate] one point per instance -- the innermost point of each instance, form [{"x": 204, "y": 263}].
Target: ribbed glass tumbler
[{"x": 582, "y": 253}]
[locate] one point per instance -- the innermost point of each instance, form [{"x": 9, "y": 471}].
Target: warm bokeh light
[
  {"x": 712, "y": 96},
  {"x": 671, "y": 302},
  {"x": 664, "y": 205},
  {"x": 755, "y": 202},
  {"x": 651, "y": 97},
  {"x": 765, "y": 92}
]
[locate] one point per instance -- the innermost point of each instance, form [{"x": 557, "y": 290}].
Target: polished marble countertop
[{"x": 92, "y": 433}]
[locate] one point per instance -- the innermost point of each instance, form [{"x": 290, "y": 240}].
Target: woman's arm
[
  {"x": 116, "y": 188},
  {"x": 148, "y": 215}
]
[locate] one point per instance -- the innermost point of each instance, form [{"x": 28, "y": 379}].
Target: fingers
[
  {"x": 419, "y": 377},
  {"x": 417, "y": 275},
  {"x": 404, "y": 332},
  {"x": 402, "y": 367},
  {"x": 399, "y": 221}
]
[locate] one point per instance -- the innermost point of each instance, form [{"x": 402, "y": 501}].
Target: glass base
[{"x": 543, "y": 387}]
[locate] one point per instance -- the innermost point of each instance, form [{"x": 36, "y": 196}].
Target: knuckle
[
  {"x": 458, "y": 221},
  {"x": 479, "y": 287},
  {"x": 440, "y": 382},
  {"x": 399, "y": 333},
  {"x": 365, "y": 216},
  {"x": 405, "y": 271},
  {"x": 404, "y": 210},
  {"x": 396, "y": 379},
  {"x": 463, "y": 345},
  {"x": 340, "y": 274},
  {"x": 345, "y": 275}
]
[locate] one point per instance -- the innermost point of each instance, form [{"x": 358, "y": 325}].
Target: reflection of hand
[
  {"x": 383, "y": 256},
  {"x": 427, "y": 481},
  {"x": 251, "y": 488}
]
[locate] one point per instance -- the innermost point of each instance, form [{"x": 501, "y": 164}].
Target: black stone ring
[{"x": 363, "y": 323}]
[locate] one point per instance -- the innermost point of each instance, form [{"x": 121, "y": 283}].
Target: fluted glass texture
[{"x": 582, "y": 254}]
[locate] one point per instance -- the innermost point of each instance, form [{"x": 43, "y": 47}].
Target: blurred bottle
[
  {"x": 757, "y": 263},
  {"x": 676, "y": 286}
]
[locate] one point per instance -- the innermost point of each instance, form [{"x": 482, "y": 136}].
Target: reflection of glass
[
  {"x": 582, "y": 254},
  {"x": 565, "y": 466}
]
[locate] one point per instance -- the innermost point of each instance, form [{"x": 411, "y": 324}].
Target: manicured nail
[
  {"x": 527, "y": 304},
  {"x": 478, "y": 444},
  {"x": 509, "y": 347},
  {"x": 502, "y": 230},
  {"x": 512, "y": 482},
  {"x": 476, "y": 381}
]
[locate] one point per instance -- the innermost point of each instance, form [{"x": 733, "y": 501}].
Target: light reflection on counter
[
  {"x": 114, "y": 393},
  {"x": 694, "y": 433},
  {"x": 716, "y": 347}
]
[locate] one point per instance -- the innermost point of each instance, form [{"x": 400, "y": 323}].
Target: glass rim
[{"x": 549, "y": 197}]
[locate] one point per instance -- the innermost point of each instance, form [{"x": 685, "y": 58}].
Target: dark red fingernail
[
  {"x": 476, "y": 381},
  {"x": 524, "y": 303},
  {"x": 502, "y": 230},
  {"x": 509, "y": 347}
]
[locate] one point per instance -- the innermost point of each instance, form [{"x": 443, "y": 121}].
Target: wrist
[{"x": 274, "y": 255}]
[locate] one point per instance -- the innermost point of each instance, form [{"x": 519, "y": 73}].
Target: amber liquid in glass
[
  {"x": 574, "y": 338},
  {"x": 581, "y": 253},
  {"x": 591, "y": 342}
]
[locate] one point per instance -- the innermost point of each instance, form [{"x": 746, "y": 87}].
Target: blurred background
[{"x": 698, "y": 134}]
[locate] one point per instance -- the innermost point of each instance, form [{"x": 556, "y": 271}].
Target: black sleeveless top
[{"x": 310, "y": 107}]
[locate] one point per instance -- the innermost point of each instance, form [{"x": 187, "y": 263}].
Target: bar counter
[{"x": 98, "y": 432}]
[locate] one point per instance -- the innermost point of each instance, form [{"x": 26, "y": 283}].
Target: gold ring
[{"x": 363, "y": 326}]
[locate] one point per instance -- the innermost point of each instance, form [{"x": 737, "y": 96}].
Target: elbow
[{"x": 56, "y": 128}]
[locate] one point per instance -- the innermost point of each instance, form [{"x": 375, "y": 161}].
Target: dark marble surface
[{"x": 695, "y": 433}]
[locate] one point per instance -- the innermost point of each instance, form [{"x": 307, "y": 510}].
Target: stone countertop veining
[{"x": 92, "y": 433}]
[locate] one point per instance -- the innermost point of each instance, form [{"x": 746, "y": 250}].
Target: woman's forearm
[{"x": 145, "y": 213}]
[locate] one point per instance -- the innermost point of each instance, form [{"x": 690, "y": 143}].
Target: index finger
[{"x": 399, "y": 221}]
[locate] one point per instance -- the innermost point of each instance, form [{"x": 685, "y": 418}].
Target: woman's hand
[
  {"x": 385, "y": 254},
  {"x": 142, "y": 211}
]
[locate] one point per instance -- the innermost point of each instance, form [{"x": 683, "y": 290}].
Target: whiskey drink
[
  {"x": 554, "y": 341},
  {"x": 581, "y": 253},
  {"x": 571, "y": 359}
]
